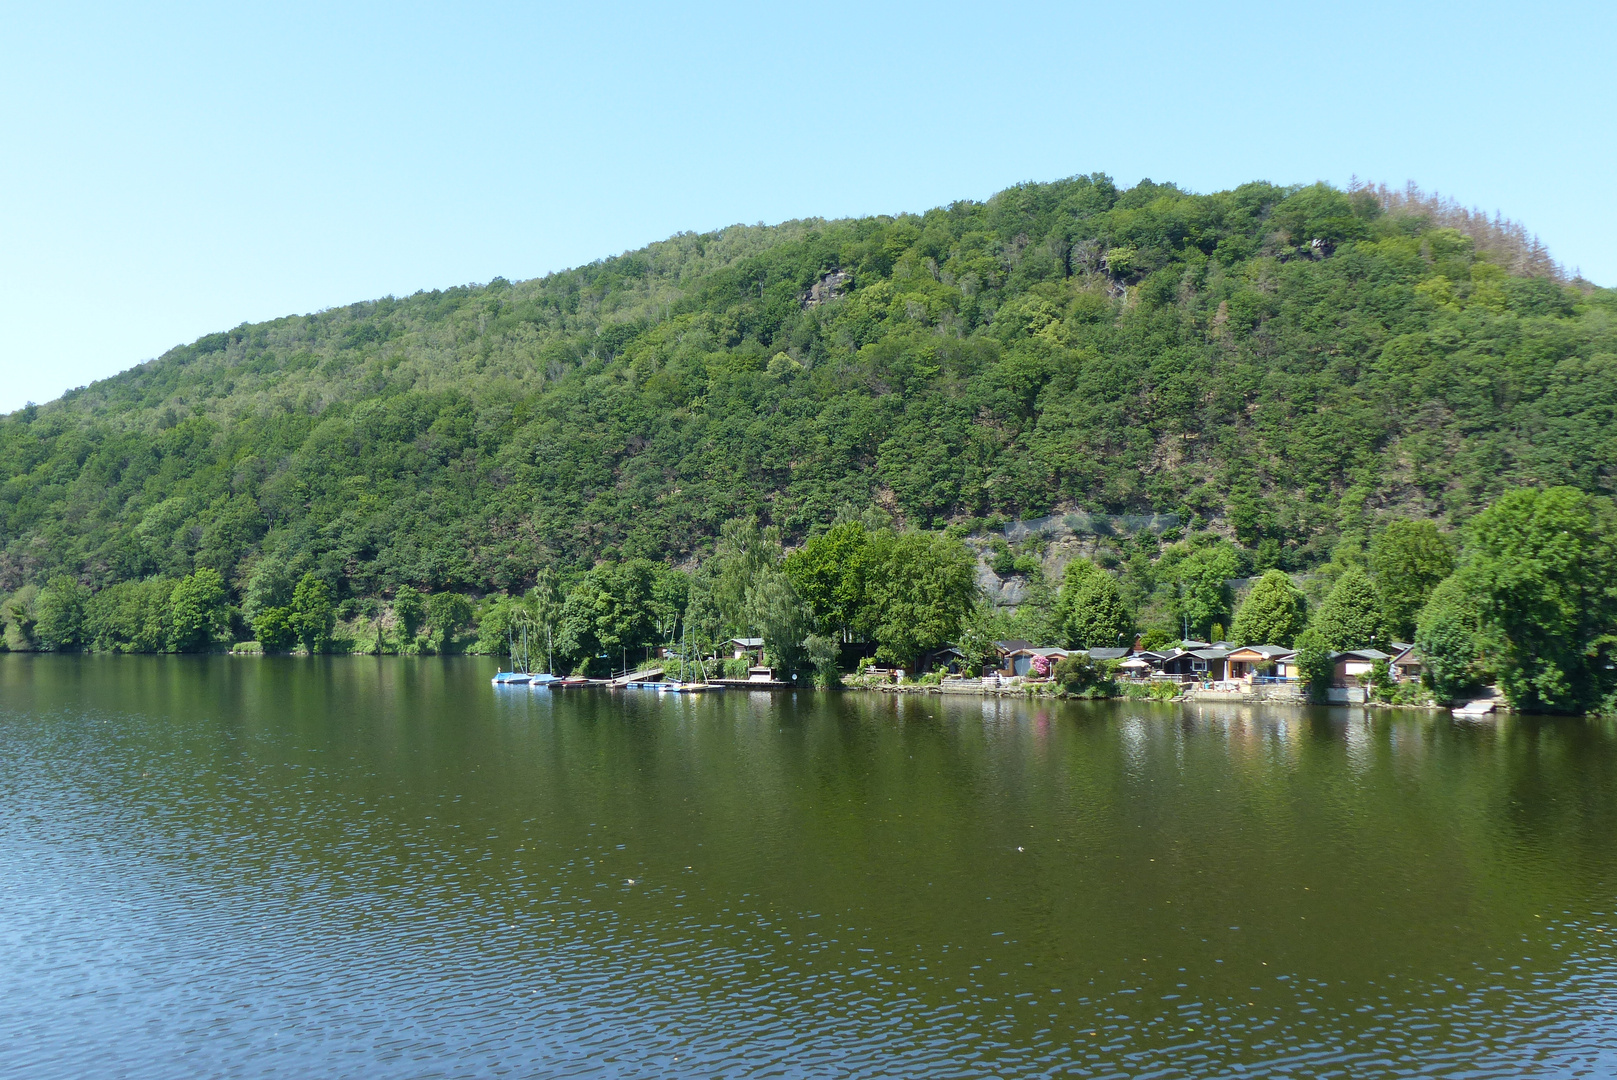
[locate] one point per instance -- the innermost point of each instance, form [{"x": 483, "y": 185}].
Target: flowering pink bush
[{"x": 1041, "y": 666}]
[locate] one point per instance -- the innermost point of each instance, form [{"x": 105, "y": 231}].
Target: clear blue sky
[{"x": 174, "y": 169}]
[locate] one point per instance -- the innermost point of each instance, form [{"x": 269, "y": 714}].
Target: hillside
[{"x": 1281, "y": 365}]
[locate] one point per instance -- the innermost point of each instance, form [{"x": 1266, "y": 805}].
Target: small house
[
  {"x": 1251, "y": 660},
  {"x": 1406, "y": 663},
  {"x": 1020, "y": 661},
  {"x": 1204, "y": 664},
  {"x": 1353, "y": 664},
  {"x": 1349, "y": 666},
  {"x": 747, "y": 648},
  {"x": 949, "y": 658}
]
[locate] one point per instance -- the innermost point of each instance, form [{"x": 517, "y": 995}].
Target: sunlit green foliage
[
  {"x": 199, "y": 616},
  {"x": 1248, "y": 356},
  {"x": 1351, "y": 616},
  {"x": 131, "y": 616},
  {"x": 1541, "y": 567},
  {"x": 1200, "y": 576},
  {"x": 1447, "y": 640},
  {"x": 1078, "y": 674},
  {"x": 1090, "y": 611},
  {"x": 1314, "y": 661},
  {"x": 59, "y": 613},
  {"x": 410, "y": 609},
  {"x": 312, "y": 614},
  {"x": 1408, "y": 558},
  {"x": 1273, "y": 613},
  {"x": 922, "y": 591},
  {"x": 449, "y": 613}
]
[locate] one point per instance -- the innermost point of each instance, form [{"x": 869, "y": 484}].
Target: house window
[{"x": 1198, "y": 665}]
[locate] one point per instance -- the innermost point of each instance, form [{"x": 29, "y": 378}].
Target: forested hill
[{"x": 1282, "y": 363}]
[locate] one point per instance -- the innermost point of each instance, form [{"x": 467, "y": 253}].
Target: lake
[{"x": 383, "y": 867}]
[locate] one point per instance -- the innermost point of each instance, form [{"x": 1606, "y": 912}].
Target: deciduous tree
[
  {"x": 1273, "y": 613},
  {"x": 1446, "y": 636},
  {"x": 199, "y": 611},
  {"x": 1350, "y": 617},
  {"x": 1408, "y": 559},
  {"x": 1542, "y": 568}
]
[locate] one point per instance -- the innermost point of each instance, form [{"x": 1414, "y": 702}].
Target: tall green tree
[
  {"x": 277, "y": 630},
  {"x": 1273, "y": 613},
  {"x": 1408, "y": 559},
  {"x": 199, "y": 612},
  {"x": 1350, "y": 617},
  {"x": 612, "y": 611},
  {"x": 131, "y": 617},
  {"x": 21, "y": 613},
  {"x": 783, "y": 621},
  {"x": 1446, "y": 639},
  {"x": 744, "y": 551},
  {"x": 1542, "y": 568},
  {"x": 410, "y": 609},
  {"x": 1090, "y": 612},
  {"x": 312, "y": 614},
  {"x": 829, "y": 573},
  {"x": 923, "y": 587},
  {"x": 704, "y": 624},
  {"x": 449, "y": 613},
  {"x": 1314, "y": 662},
  {"x": 823, "y": 655},
  {"x": 1203, "y": 579},
  {"x": 59, "y": 614}
]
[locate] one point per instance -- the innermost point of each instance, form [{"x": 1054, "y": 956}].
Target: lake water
[{"x": 385, "y": 868}]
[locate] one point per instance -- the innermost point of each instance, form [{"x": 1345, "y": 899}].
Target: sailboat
[
  {"x": 683, "y": 687},
  {"x": 519, "y": 675},
  {"x": 546, "y": 678}
]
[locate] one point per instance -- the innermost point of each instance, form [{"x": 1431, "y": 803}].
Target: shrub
[
  {"x": 1078, "y": 674},
  {"x": 276, "y": 631}
]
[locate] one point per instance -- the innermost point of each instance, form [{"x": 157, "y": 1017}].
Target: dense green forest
[{"x": 1269, "y": 372}]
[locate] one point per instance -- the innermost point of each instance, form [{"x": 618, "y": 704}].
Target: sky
[{"x": 169, "y": 170}]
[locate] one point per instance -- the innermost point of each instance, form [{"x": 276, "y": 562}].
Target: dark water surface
[{"x": 385, "y": 868}]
